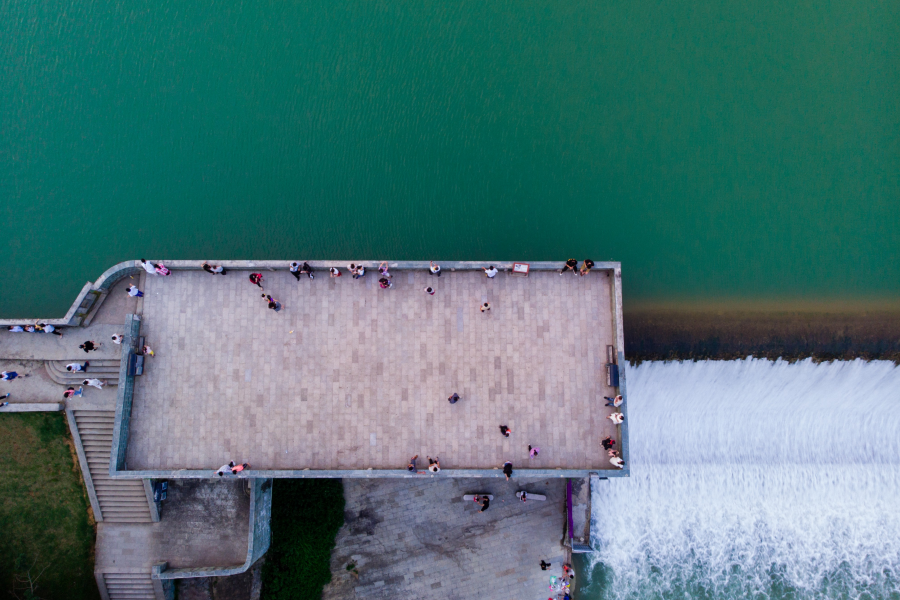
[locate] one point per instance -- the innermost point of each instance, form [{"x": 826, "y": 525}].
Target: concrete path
[
  {"x": 350, "y": 376},
  {"x": 421, "y": 540},
  {"x": 46, "y": 346},
  {"x": 38, "y": 387},
  {"x": 203, "y": 524}
]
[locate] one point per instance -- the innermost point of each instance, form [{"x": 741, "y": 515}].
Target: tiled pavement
[
  {"x": 421, "y": 540},
  {"x": 349, "y": 376}
]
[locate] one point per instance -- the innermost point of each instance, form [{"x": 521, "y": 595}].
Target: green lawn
[
  {"x": 44, "y": 526},
  {"x": 306, "y": 515}
]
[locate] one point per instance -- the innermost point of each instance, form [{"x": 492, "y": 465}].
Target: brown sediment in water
[{"x": 777, "y": 331}]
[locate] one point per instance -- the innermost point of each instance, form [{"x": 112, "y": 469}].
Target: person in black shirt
[
  {"x": 571, "y": 265},
  {"x": 454, "y": 398},
  {"x": 507, "y": 469},
  {"x": 485, "y": 502},
  {"x": 608, "y": 443}
]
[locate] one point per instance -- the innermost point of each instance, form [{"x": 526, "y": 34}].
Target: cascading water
[{"x": 754, "y": 479}]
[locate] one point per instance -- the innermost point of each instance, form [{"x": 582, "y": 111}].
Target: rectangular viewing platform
[{"x": 352, "y": 380}]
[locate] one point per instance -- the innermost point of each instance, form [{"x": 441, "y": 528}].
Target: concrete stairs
[
  {"x": 104, "y": 370},
  {"x": 129, "y": 586},
  {"x": 120, "y": 500}
]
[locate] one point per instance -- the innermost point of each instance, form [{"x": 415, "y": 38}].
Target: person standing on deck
[
  {"x": 614, "y": 402},
  {"x": 75, "y": 367},
  {"x": 134, "y": 292},
  {"x": 149, "y": 267},
  {"x": 256, "y": 279},
  {"x": 490, "y": 272},
  {"x": 334, "y": 271},
  {"x": 507, "y": 469},
  {"x": 571, "y": 265},
  {"x": 412, "y": 464},
  {"x": 94, "y": 383},
  {"x": 90, "y": 346},
  {"x": 586, "y": 267},
  {"x": 305, "y": 269},
  {"x": 435, "y": 269},
  {"x": 616, "y": 418}
]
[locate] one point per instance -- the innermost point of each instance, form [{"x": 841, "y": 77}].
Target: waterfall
[{"x": 754, "y": 479}]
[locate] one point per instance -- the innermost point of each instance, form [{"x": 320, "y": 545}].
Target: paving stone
[{"x": 350, "y": 376}]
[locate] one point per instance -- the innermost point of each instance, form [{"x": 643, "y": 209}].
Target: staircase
[
  {"x": 104, "y": 370},
  {"x": 129, "y": 586},
  {"x": 121, "y": 500}
]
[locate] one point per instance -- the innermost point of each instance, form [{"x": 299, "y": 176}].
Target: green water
[{"x": 740, "y": 149}]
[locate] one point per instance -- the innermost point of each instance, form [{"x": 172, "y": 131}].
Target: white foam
[{"x": 748, "y": 476}]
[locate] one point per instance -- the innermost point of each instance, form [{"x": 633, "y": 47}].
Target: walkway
[
  {"x": 421, "y": 540},
  {"x": 350, "y": 376}
]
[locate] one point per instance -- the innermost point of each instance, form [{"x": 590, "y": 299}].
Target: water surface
[{"x": 740, "y": 149}]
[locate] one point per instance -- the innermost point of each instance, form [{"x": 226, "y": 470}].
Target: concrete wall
[
  {"x": 258, "y": 540},
  {"x": 125, "y": 396}
]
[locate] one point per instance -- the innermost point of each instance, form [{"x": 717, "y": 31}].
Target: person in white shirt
[
  {"x": 117, "y": 338},
  {"x": 225, "y": 468},
  {"x": 617, "y": 462},
  {"x": 435, "y": 269},
  {"x": 134, "y": 292},
  {"x": 149, "y": 267},
  {"x": 616, "y": 418},
  {"x": 75, "y": 367},
  {"x": 491, "y": 271},
  {"x": 94, "y": 383},
  {"x": 614, "y": 402},
  {"x": 16, "y": 329}
]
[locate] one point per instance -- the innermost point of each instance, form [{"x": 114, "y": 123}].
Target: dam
[{"x": 350, "y": 378}]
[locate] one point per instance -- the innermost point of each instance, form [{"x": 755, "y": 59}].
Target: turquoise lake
[{"x": 742, "y": 150}]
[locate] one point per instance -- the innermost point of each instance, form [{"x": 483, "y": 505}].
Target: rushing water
[
  {"x": 732, "y": 148},
  {"x": 754, "y": 479}
]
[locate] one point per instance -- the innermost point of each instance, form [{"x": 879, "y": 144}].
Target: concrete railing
[
  {"x": 125, "y": 396},
  {"x": 258, "y": 539}
]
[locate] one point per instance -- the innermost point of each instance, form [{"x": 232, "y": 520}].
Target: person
[
  {"x": 149, "y": 267},
  {"x": 612, "y": 452},
  {"x": 134, "y": 292},
  {"x": 47, "y": 328},
  {"x": 523, "y": 496},
  {"x": 4, "y": 404},
  {"x": 507, "y": 469},
  {"x": 305, "y": 269},
  {"x": 545, "y": 565},
  {"x": 295, "y": 270},
  {"x": 360, "y": 272},
  {"x": 429, "y": 291},
  {"x": 94, "y": 383},
  {"x": 435, "y": 269},
  {"x": 225, "y": 468},
  {"x": 117, "y": 338},
  {"x": 335, "y": 272},
  {"x": 30, "y": 329},
  {"x": 15, "y": 329},
  {"x": 571, "y": 265},
  {"x": 505, "y": 430},
  {"x": 75, "y": 367},
  {"x": 486, "y": 307},
  {"x": 616, "y": 418},
  {"x": 8, "y": 375},
  {"x": 352, "y": 268},
  {"x": 568, "y": 571},
  {"x": 608, "y": 443},
  {"x": 238, "y": 468},
  {"x": 412, "y": 464},
  {"x": 161, "y": 269},
  {"x": 434, "y": 465},
  {"x": 617, "y": 462},
  {"x": 533, "y": 452},
  {"x": 90, "y": 346},
  {"x": 214, "y": 269},
  {"x": 383, "y": 270},
  {"x": 586, "y": 267},
  {"x": 273, "y": 303},
  {"x": 69, "y": 393},
  {"x": 616, "y": 402},
  {"x": 490, "y": 272},
  {"x": 256, "y": 279},
  {"x": 385, "y": 283},
  {"x": 454, "y": 398},
  {"x": 148, "y": 351},
  {"x": 485, "y": 502}
]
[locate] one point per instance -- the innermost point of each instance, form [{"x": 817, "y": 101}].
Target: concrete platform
[{"x": 349, "y": 376}]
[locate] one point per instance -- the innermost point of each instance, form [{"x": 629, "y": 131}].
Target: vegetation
[
  {"x": 46, "y": 546},
  {"x": 306, "y": 516}
]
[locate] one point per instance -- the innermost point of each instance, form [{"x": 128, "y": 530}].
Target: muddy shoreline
[{"x": 685, "y": 334}]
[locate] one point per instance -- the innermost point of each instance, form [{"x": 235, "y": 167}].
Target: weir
[{"x": 755, "y": 479}]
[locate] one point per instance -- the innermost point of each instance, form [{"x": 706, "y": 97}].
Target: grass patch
[
  {"x": 306, "y": 516},
  {"x": 43, "y": 511}
]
